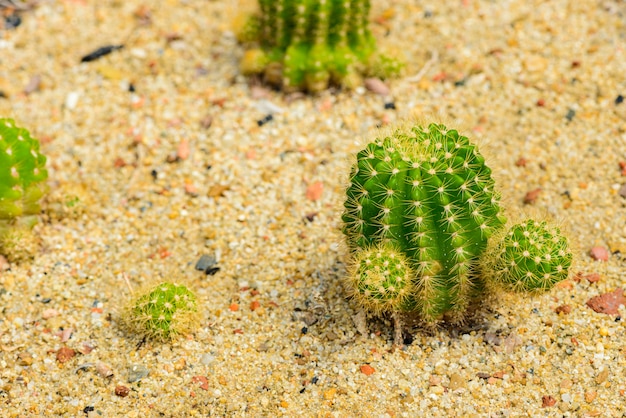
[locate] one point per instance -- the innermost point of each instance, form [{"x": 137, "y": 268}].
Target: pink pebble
[
  {"x": 599, "y": 253},
  {"x": 49, "y": 313}
]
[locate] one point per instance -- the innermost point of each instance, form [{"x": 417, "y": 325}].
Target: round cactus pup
[
  {"x": 531, "y": 256},
  {"x": 163, "y": 312}
]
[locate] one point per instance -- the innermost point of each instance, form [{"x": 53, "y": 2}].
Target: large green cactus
[
  {"x": 22, "y": 184},
  {"x": 22, "y": 172},
  {"x": 420, "y": 210},
  {"x": 307, "y": 44}
]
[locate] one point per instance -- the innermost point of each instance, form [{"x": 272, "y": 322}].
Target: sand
[{"x": 536, "y": 83}]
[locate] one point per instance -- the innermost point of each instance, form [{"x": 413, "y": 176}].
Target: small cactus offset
[
  {"x": 307, "y": 44},
  {"x": 420, "y": 212},
  {"x": 164, "y": 311},
  {"x": 532, "y": 256},
  {"x": 22, "y": 184}
]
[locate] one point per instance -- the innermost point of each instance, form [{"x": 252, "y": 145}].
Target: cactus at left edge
[
  {"x": 309, "y": 44},
  {"x": 426, "y": 232},
  {"x": 163, "y": 311},
  {"x": 22, "y": 184}
]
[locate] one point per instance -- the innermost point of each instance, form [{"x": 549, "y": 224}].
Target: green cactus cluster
[
  {"x": 309, "y": 44},
  {"x": 420, "y": 210},
  {"x": 22, "y": 184},
  {"x": 163, "y": 312}
]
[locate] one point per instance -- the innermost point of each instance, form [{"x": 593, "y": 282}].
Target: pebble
[
  {"x": 376, "y": 85},
  {"x": 137, "y": 372},
  {"x": 532, "y": 196},
  {"x": 104, "y": 370},
  {"x": 65, "y": 354},
  {"x": 205, "y": 262},
  {"x": 25, "y": 358},
  {"x": 367, "y": 370},
  {"x": 547, "y": 401},
  {"x": 456, "y": 381},
  {"x": 599, "y": 253},
  {"x": 622, "y": 190},
  {"x": 314, "y": 191},
  {"x": 122, "y": 391},
  {"x": 49, "y": 313},
  {"x": 608, "y": 303}
]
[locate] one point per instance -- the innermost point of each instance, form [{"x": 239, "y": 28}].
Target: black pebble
[
  {"x": 12, "y": 21},
  {"x": 304, "y": 330},
  {"x": 390, "y": 105},
  {"x": 45, "y": 300},
  {"x": 88, "y": 409},
  {"x": 619, "y": 99},
  {"x": 154, "y": 174},
  {"x": 211, "y": 271},
  {"x": 263, "y": 121},
  {"x": 315, "y": 380},
  {"x": 570, "y": 115},
  {"x": 131, "y": 88},
  {"x": 100, "y": 52}
]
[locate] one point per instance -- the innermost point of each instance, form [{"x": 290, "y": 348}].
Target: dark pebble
[
  {"x": 88, "y": 409},
  {"x": 570, "y": 115},
  {"x": 390, "y": 105},
  {"x": 154, "y": 174},
  {"x": 315, "y": 380},
  {"x": 100, "y": 52},
  {"x": 205, "y": 262},
  {"x": 12, "y": 21},
  {"x": 619, "y": 99},
  {"x": 304, "y": 330},
  {"x": 265, "y": 120},
  {"x": 45, "y": 300},
  {"x": 212, "y": 271},
  {"x": 302, "y": 390},
  {"x": 131, "y": 88}
]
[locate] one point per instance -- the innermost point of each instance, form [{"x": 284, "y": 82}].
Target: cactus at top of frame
[
  {"x": 420, "y": 210},
  {"x": 531, "y": 256},
  {"x": 307, "y": 44},
  {"x": 22, "y": 172},
  {"x": 164, "y": 311}
]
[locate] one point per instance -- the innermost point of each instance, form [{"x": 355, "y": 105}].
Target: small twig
[
  {"x": 434, "y": 56},
  {"x": 125, "y": 277}
]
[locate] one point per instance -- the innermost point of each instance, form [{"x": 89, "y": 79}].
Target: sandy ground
[{"x": 539, "y": 82}]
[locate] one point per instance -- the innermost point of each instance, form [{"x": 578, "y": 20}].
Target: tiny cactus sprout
[
  {"x": 163, "y": 312},
  {"x": 309, "y": 44},
  {"x": 531, "y": 256},
  {"x": 421, "y": 210},
  {"x": 22, "y": 182}
]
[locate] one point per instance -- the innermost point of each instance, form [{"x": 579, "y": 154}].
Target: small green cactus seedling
[
  {"x": 22, "y": 182},
  {"x": 164, "y": 311},
  {"x": 420, "y": 210},
  {"x": 307, "y": 44},
  {"x": 532, "y": 256}
]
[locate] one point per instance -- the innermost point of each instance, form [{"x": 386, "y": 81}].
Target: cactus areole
[{"x": 425, "y": 197}]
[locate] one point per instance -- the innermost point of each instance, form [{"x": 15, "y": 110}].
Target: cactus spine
[
  {"x": 420, "y": 211},
  {"x": 307, "y": 44}
]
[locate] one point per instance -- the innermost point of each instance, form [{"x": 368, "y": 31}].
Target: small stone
[
  {"x": 592, "y": 277},
  {"x": 314, "y": 191},
  {"x": 602, "y": 376},
  {"x": 137, "y": 372},
  {"x": 104, "y": 370},
  {"x": 434, "y": 380},
  {"x": 622, "y": 191},
  {"x": 532, "y": 196},
  {"x": 456, "y": 381},
  {"x": 24, "y": 359},
  {"x": 376, "y": 85},
  {"x": 599, "y": 253},
  {"x": 205, "y": 262},
  {"x": 367, "y": 370},
  {"x": 563, "y": 309},
  {"x": 184, "y": 150},
  {"x": 547, "y": 401},
  {"x": 608, "y": 303},
  {"x": 65, "y": 354},
  {"x": 590, "y": 395},
  {"x": 483, "y": 375},
  {"x": 204, "y": 382},
  {"x": 49, "y": 313},
  {"x": 122, "y": 391}
]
